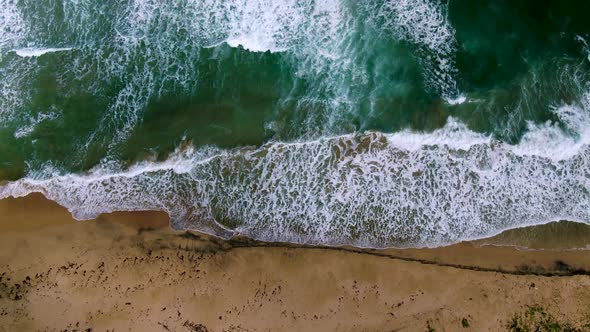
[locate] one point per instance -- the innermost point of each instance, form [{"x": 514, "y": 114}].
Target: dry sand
[{"x": 129, "y": 271}]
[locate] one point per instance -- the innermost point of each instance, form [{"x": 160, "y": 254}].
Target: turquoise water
[{"x": 373, "y": 123}]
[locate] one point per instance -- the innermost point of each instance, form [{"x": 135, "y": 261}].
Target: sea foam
[
  {"x": 372, "y": 189},
  {"x": 368, "y": 189},
  {"x": 12, "y": 28},
  {"x": 314, "y": 38},
  {"x": 425, "y": 23},
  {"x": 35, "y": 52}
]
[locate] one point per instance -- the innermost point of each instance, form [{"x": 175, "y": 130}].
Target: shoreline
[
  {"x": 570, "y": 241},
  {"x": 131, "y": 271},
  {"x": 565, "y": 239},
  {"x": 560, "y": 235}
]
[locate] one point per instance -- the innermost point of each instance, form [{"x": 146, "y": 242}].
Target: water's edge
[{"x": 555, "y": 236}]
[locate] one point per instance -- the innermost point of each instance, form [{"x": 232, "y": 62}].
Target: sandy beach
[{"x": 131, "y": 272}]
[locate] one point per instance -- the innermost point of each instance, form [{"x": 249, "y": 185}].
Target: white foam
[
  {"x": 420, "y": 21},
  {"x": 30, "y": 52},
  {"x": 424, "y": 23},
  {"x": 456, "y": 101},
  {"x": 454, "y": 135},
  {"x": 261, "y": 26},
  {"x": 315, "y": 36},
  {"x": 372, "y": 189},
  {"x": 253, "y": 44},
  {"x": 13, "y": 92},
  {"x": 12, "y": 31},
  {"x": 33, "y": 122},
  {"x": 584, "y": 46},
  {"x": 12, "y": 27},
  {"x": 299, "y": 27}
]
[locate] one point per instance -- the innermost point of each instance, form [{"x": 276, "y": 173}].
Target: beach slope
[{"x": 130, "y": 271}]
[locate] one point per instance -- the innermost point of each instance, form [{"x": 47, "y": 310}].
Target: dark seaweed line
[{"x": 560, "y": 268}]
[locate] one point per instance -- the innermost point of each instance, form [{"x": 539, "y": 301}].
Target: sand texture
[{"x": 130, "y": 272}]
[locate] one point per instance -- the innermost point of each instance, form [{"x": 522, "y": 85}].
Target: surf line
[{"x": 30, "y": 52}]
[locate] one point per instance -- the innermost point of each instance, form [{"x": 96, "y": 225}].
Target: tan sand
[{"x": 129, "y": 271}]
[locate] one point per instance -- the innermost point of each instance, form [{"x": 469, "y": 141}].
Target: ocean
[{"x": 376, "y": 123}]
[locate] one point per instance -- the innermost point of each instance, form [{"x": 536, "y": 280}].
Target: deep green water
[{"x": 94, "y": 88}]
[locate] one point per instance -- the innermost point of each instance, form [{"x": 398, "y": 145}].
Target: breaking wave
[
  {"x": 34, "y": 52},
  {"x": 320, "y": 42},
  {"x": 334, "y": 67},
  {"x": 371, "y": 189}
]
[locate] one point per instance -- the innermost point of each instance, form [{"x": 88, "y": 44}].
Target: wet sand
[{"x": 129, "y": 271}]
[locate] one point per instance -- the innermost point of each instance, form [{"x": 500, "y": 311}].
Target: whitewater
[
  {"x": 371, "y": 190},
  {"x": 320, "y": 167}
]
